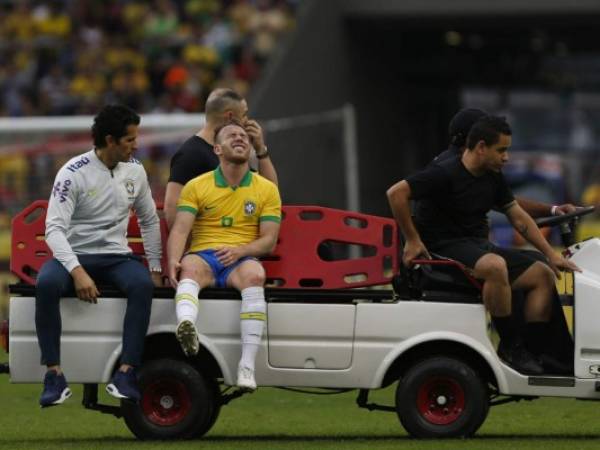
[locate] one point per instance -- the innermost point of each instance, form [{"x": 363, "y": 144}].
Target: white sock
[
  {"x": 186, "y": 300},
  {"x": 252, "y": 317}
]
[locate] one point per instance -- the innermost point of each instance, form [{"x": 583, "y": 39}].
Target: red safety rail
[
  {"x": 315, "y": 249},
  {"x": 29, "y": 249}
]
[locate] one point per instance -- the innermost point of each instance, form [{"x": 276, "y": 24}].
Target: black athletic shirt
[
  {"x": 453, "y": 203},
  {"x": 193, "y": 158},
  {"x": 451, "y": 152}
]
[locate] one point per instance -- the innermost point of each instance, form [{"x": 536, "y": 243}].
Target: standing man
[
  {"x": 460, "y": 192},
  {"x": 86, "y": 229},
  {"x": 234, "y": 216},
  {"x": 196, "y": 155}
]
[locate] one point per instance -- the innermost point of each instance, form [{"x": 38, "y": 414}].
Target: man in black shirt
[
  {"x": 559, "y": 339},
  {"x": 460, "y": 191},
  {"x": 196, "y": 156},
  {"x": 459, "y": 128}
]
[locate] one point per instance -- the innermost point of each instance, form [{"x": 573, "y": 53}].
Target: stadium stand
[{"x": 68, "y": 57}]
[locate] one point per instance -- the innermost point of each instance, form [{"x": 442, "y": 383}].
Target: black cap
[{"x": 461, "y": 124}]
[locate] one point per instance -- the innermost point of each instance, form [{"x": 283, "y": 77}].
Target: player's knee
[
  {"x": 47, "y": 283},
  {"x": 492, "y": 267},
  {"x": 199, "y": 273},
  {"x": 253, "y": 275},
  {"x": 140, "y": 289},
  {"x": 255, "y": 279},
  {"x": 144, "y": 284},
  {"x": 546, "y": 275}
]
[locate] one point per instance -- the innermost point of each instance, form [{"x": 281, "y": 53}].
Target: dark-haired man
[
  {"x": 233, "y": 216},
  {"x": 86, "y": 229},
  {"x": 460, "y": 192},
  {"x": 459, "y": 128},
  {"x": 196, "y": 155},
  {"x": 558, "y": 333}
]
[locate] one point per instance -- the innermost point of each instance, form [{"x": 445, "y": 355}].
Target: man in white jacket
[{"x": 86, "y": 229}]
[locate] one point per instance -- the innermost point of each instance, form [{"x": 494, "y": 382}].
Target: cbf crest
[
  {"x": 130, "y": 188},
  {"x": 249, "y": 208}
]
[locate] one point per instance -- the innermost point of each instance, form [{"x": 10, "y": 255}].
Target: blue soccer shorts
[{"x": 220, "y": 272}]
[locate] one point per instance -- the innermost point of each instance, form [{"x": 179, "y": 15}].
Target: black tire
[
  {"x": 177, "y": 402},
  {"x": 441, "y": 397},
  {"x": 217, "y": 403}
]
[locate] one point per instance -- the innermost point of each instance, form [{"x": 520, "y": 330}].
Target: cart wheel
[
  {"x": 177, "y": 402},
  {"x": 441, "y": 397}
]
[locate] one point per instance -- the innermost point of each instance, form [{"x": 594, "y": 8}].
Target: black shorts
[{"x": 469, "y": 250}]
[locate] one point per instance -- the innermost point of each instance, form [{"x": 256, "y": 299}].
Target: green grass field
[{"x": 276, "y": 419}]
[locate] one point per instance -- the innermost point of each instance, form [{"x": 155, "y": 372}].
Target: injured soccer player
[{"x": 233, "y": 216}]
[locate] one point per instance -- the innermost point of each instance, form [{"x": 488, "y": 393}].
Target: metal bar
[{"x": 272, "y": 294}]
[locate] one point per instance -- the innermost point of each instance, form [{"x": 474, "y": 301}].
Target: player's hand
[
  {"x": 85, "y": 288},
  {"x": 414, "y": 250},
  {"x": 255, "y": 133},
  {"x": 228, "y": 255},
  {"x": 558, "y": 263},
  {"x": 174, "y": 269},
  {"x": 567, "y": 208}
]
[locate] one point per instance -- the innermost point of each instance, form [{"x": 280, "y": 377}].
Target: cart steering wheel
[{"x": 566, "y": 222}]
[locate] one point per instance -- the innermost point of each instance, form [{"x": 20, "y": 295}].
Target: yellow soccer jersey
[{"x": 227, "y": 216}]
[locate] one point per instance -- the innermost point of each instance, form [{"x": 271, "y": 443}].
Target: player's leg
[
  {"x": 558, "y": 338},
  {"x": 538, "y": 283},
  {"x": 196, "y": 274},
  {"x": 497, "y": 297},
  {"x": 129, "y": 274},
  {"x": 494, "y": 270},
  {"x": 249, "y": 277},
  {"x": 52, "y": 282}
]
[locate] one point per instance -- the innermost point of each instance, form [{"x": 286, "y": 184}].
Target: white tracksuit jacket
[{"x": 89, "y": 210}]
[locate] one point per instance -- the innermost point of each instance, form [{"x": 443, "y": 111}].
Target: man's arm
[
  {"x": 526, "y": 226},
  {"x": 263, "y": 245},
  {"x": 58, "y": 219},
  {"x": 145, "y": 209},
  {"x": 184, "y": 220},
  {"x": 170, "y": 206},
  {"x": 398, "y": 197},
  {"x": 265, "y": 165},
  {"x": 267, "y": 169},
  {"x": 538, "y": 209},
  {"x": 149, "y": 222}
]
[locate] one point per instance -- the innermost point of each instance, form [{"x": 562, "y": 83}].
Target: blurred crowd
[{"x": 65, "y": 57}]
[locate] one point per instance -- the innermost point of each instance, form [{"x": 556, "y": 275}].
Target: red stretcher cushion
[{"x": 317, "y": 247}]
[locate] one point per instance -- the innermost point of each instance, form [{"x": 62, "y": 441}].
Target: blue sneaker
[
  {"x": 56, "y": 389},
  {"x": 124, "y": 385}
]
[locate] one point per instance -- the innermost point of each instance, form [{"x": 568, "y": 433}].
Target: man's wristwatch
[
  {"x": 156, "y": 269},
  {"x": 264, "y": 154}
]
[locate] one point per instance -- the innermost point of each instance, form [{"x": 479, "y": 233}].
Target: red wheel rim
[
  {"x": 166, "y": 402},
  {"x": 441, "y": 400}
]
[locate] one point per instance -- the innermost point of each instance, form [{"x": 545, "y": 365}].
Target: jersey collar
[{"x": 220, "y": 180}]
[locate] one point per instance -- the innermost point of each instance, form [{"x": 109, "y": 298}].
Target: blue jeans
[{"x": 126, "y": 272}]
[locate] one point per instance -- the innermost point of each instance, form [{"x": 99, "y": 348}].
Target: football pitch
[{"x": 276, "y": 419}]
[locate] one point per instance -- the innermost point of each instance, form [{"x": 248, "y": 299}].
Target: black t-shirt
[
  {"x": 451, "y": 152},
  {"x": 194, "y": 157},
  {"x": 453, "y": 203}
]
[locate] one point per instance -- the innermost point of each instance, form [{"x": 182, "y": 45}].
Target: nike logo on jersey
[{"x": 208, "y": 208}]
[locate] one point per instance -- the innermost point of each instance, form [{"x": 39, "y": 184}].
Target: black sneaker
[
  {"x": 55, "y": 391},
  {"x": 124, "y": 385},
  {"x": 519, "y": 358}
]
